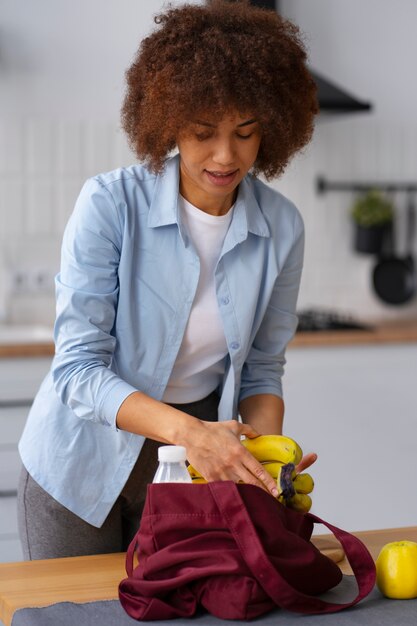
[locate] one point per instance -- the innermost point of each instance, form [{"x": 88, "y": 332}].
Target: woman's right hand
[
  {"x": 215, "y": 451},
  {"x": 213, "y": 448}
]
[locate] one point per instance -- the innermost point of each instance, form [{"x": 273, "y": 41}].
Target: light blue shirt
[{"x": 128, "y": 277}]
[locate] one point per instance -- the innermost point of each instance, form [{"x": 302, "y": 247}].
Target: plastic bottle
[{"x": 172, "y": 468}]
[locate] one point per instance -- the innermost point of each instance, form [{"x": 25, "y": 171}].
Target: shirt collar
[
  {"x": 164, "y": 206},
  {"x": 247, "y": 215},
  {"x": 248, "y": 211}
]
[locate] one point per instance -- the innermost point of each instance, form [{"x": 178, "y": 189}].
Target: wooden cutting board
[{"x": 329, "y": 547}]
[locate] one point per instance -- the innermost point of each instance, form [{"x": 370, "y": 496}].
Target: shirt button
[
  {"x": 234, "y": 345},
  {"x": 225, "y": 300}
]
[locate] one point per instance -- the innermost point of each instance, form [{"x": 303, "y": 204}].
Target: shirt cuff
[
  {"x": 112, "y": 401},
  {"x": 274, "y": 390}
]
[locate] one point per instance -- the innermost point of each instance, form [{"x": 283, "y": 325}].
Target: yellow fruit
[
  {"x": 303, "y": 483},
  {"x": 396, "y": 570},
  {"x": 300, "y": 502},
  {"x": 193, "y": 472},
  {"x": 273, "y": 467},
  {"x": 274, "y": 448},
  {"x": 199, "y": 481},
  {"x": 278, "y": 455}
]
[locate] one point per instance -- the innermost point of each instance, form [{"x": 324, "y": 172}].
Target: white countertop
[
  {"x": 11, "y": 334},
  {"x": 21, "y": 340}
]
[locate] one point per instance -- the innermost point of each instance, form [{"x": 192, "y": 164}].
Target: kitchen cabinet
[
  {"x": 19, "y": 381},
  {"x": 356, "y": 406}
]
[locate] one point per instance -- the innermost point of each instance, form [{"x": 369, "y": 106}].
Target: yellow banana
[
  {"x": 274, "y": 448},
  {"x": 278, "y": 455},
  {"x": 303, "y": 483},
  {"x": 273, "y": 467},
  {"x": 193, "y": 472},
  {"x": 300, "y": 502}
]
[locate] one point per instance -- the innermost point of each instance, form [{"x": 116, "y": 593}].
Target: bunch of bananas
[{"x": 279, "y": 455}]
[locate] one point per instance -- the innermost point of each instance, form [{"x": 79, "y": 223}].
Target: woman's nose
[{"x": 224, "y": 152}]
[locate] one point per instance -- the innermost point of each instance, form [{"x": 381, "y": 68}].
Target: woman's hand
[
  {"x": 214, "y": 449},
  {"x": 306, "y": 461}
]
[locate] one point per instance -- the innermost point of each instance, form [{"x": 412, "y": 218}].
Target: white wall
[
  {"x": 62, "y": 70},
  {"x": 61, "y": 80},
  {"x": 66, "y": 60},
  {"x": 368, "y": 46},
  {"x": 369, "y": 49}
]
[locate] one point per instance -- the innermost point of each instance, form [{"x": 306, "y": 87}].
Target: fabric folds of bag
[{"x": 232, "y": 550}]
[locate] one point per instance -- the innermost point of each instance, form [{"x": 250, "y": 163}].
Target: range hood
[{"x": 332, "y": 98}]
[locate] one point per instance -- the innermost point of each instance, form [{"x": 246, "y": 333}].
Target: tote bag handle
[
  {"x": 130, "y": 555},
  {"x": 238, "y": 520}
]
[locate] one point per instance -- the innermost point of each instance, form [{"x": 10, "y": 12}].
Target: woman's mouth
[{"x": 221, "y": 178}]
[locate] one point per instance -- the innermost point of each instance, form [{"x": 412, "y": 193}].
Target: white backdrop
[{"x": 62, "y": 70}]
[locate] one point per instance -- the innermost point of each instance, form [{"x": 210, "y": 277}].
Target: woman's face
[{"x": 214, "y": 157}]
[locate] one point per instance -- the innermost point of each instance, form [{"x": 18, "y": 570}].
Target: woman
[{"x": 178, "y": 284}]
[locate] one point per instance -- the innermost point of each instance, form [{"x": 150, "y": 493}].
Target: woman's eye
[
  {"x": 208, "y": 135},
  {"x": 202, "y": 136}
]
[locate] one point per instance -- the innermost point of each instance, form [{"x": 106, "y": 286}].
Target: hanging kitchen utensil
[{"x": 394, "y": 277}]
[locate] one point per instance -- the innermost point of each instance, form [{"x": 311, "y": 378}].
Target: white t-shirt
[{"x": 200, "y": 363}]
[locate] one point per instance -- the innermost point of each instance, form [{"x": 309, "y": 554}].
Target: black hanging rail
[{"x": 323, "y": 186}]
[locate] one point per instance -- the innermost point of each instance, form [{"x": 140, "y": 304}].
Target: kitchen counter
[
  {"x": 90, "y": 578},
  {"x": 27, "y": 341},
  {"x": 18, "y": 340},
  {"x": 27, "y": 350},
  {"x": 404, "y": 331}
]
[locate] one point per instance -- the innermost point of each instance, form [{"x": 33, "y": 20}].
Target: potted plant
[{"x": 372, "y": 214}]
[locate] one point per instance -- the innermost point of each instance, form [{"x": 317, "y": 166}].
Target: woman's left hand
[{"x": 306, "y": 461}]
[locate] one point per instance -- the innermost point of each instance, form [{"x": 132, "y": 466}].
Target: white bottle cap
[{"x": 172, "y": 454}]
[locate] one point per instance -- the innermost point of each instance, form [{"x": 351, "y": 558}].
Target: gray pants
[{"x": 48, "y": 530}]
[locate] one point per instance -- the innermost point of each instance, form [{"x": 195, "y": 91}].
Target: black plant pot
[{"x": 370, "y": 239}]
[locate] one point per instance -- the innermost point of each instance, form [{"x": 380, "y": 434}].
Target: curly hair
[{"x": 216, "y": 58}]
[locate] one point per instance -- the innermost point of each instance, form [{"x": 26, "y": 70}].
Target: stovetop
[{"x": 322, "y": 320}]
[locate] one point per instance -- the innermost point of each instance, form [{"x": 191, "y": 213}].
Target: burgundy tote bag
[{"x": 234, "y": 551}]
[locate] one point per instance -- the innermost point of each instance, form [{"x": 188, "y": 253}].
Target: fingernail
[{"x": 275, "y": 493}]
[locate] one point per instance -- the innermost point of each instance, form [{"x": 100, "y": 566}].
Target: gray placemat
[{"x": 372, "y": 611}]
